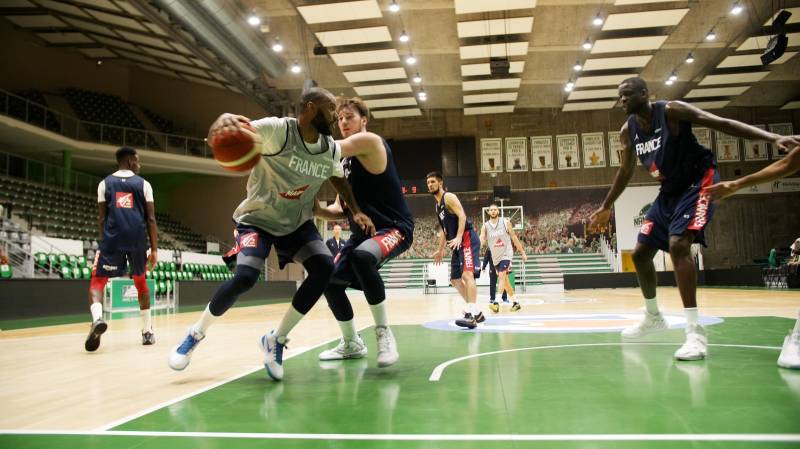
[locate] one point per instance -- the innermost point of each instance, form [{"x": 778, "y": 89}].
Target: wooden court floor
[{"x": 555, "y": 374}]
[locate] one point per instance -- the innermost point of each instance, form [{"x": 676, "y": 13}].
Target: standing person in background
[
  {"x": 335, "y": 243},
  {"x": 126, "y": 218}
]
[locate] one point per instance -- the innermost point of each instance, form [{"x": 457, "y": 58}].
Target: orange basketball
[{"x": 237, "y": 151}]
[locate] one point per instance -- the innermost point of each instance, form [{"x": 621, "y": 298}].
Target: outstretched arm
[
  {"x": 600, "y": 217},
  {"x": 679, "y": 110},
  {"x": 779, "y": 169}
]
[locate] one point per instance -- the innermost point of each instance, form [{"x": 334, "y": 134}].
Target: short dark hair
[
  {"x": 435, "y": 174},
  {"x": 124, "y": 153},
  {"x": 355, "y": 103},
  {"x": 314, "y": 94},
  {"x": 636, "y": 81}
]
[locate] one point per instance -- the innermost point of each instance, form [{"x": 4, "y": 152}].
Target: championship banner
[
  {"x": 516, "y": 154},
  {"x": 703, "y": 136},
  {"x": 594, "y": 151},
  {"x": 567, "y": 145},
  {"x": 727, "y": 148},
  {"x": 491, "y": 155},
  {"x": 614, "y": 150},
  {"x": 784, "y": 129},
  {"x": 541, "y": 153},
  {"x": 756, "y": 150}
]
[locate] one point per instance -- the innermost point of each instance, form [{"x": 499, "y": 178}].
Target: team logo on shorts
[
  {"x": 294, "y": 194},
  {"x": 124, "y": 200},
  {"x": 647, "y": 227},
  {"x": 389, "y": 241},
  {"x": 249, "y": 240}
]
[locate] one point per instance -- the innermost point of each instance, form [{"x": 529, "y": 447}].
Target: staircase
[{"x": 538, "y": 270}]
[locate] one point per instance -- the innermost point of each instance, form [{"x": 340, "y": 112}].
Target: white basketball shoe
[
  {"x": 387, "y": 346},
  {"x": 790, "y": 354},
  {"x": 696, "y": 345},
  {"x": 346, "y": 349},
  {"x": 649, "y": 323}
]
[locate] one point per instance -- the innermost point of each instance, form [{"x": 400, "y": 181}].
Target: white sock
[
  {"x": 205, "y": 321},
  {"x": 289, "y": 321},
  {"x": 472, "y": 308},
  {"x": 97, "y": 311},
  {"x": 379, "y": 313},
  {"x": 652, "y": 305},
  {"x": 147, "y": 325},
  {"x": 348, "y": 330},
  {"x": 691, "y": 315}
]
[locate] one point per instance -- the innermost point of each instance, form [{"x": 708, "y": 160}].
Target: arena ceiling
[{"x": 453, "y": 43}]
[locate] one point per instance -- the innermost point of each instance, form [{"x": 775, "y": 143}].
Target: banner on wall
[
  {"x": 786, "y": 185},
  {"x": 516, "y": 154},
  {"x": 784, "y": 129},
  {"x": 491, "y": 155},
  {"x": 542, "y": 153},
  {"x": 614, "y": 149},
  {"x": 594, "y": 150},
  {"x": 727, "y": 147},
  {"x": 756, "y": 150},
  {"x": 567, "y": 145},
  {"x": 703, "y": 136}
]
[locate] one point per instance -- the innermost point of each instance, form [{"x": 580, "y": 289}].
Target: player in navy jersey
[
  {"x": 459, "y": 235},
  {"x": 369, "y": 168},
  {"x": 126, "y": 218},
  {"x": 660, "y": 135}
]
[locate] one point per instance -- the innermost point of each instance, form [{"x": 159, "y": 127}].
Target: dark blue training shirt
[
  {"x": 126, "y": 225},
  {"x": 448, "y": 220},
  {"x": 379, "y": 196},
  {"x": 677, "y": 161}
]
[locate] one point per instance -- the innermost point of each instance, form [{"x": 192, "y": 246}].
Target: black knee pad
[
  {"x": 320, "y": 269},
  {"x": 365, "y": 268},
  {"x": 338, "y": 302},
  {"x": 243, "y": 280}
]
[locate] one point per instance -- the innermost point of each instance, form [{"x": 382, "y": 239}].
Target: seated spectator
[{"x": 794, "y": 259}]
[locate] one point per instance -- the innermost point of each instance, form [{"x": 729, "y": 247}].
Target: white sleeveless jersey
[
  {"x": 283, "y": 185},
  {"x": 499, "y": 240}
]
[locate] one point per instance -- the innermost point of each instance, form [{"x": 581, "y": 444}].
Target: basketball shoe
[
  {"x": 515, "y": 307},
  {"x": 352, "y": 349},
  {"x": 468, "y": 321},
  {"x": 790, "y": 353},
  {"x": 180, "y": 357},
  {"x": 93, "y": 340},
  {"x": 649, "y": 323},
  {"x": 273, "y": 346},
  {"x": 387, "y": 347},
  {"x": 696, "y": 346},
  {"x": 494, "y": 307},
  {"x": 148, "y": 338}
]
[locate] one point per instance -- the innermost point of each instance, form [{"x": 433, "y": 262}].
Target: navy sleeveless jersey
[
  {"x": 677, "y": 161},
  {"x": 125, "y": 227},
  {"x": 448, "y": 220},
  {"x": 379, "y": 196}
]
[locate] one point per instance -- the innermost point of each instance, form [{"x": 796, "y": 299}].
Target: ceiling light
[
  {"x": 277, "y": 47},
  {"x": 598, "y": 20},
  {"x": 711, "y": 35},
  {"x": 569, "y": 86},
  {"x": 403, "y": 36},
  {"x": 254, "y": 20},
  {"x": 669, "y": 82},
  {"x": 577, "y": 67},
  {"x": 411, "y": 59},
  {"x": 673, "y": 77},
  {"x": 737, "y": 9},
  {"x": 296, "y": 68},
  {"x": 690, "y": 59},
  {"x": 422, "y": 95},
  {"x": 394, "y": 7},
  {"x": 417, "y": 79},
  {"x": 587, "y": 44}
]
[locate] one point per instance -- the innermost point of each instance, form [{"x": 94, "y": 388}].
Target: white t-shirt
[{"x": 101, "y": 188}]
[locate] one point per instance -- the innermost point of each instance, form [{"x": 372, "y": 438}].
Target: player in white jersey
[
  {"x": 298, "y": 156},
  {"x": 499, "y": 235}
]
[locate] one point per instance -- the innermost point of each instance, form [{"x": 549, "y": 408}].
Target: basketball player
[
  {"x": 499, "y": 235},
  {"x": 126, "y": 217},
  {"x": 790, "y": 353},
  {"x": 299, "y": 155},
  {"x": 458, "y": 234},
  {"x": 370, "y": 170},
  {"x": 487, "y": 262},
  {"x": 660, "y": 135}
]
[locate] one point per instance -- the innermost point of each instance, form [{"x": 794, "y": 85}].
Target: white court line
[
  {"x": 118, "y": 422},
  {"x": 760, "y": 437},
  {"x": 439, "y": 370}
]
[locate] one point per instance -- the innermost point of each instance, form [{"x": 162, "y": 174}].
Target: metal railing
[
  {"x": 608, "y": 252},
  {"x": 39, "y": 115}
]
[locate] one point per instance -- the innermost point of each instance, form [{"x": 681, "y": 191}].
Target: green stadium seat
[
  {"x": 76, "y": 273},
  {"x": 41, "y": 260},
  {"x": 63, "y": 260},
  {"x": 171, "y": 266},
  {"x": 66, "y": 273},
  {"x": 86, "y": 273},
  {"x": 52, "y": 259},
  {"x": 73, "y": 261},
  {"x": 6, "y": 271},
  {"x": 81, "y": 262}
]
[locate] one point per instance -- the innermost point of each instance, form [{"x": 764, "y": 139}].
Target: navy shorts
[
  {"x": 468, "y": 257},
  {"x": 386, "y": 244},
  {"x": 673, "y": 214},
  {"x": 253, "y": 245},
  {"x": 504, "y": 266},
  {"x": 115, "y": 263}
]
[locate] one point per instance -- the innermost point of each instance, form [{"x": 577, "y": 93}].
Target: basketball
[{"x": 237, "y": 151}]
